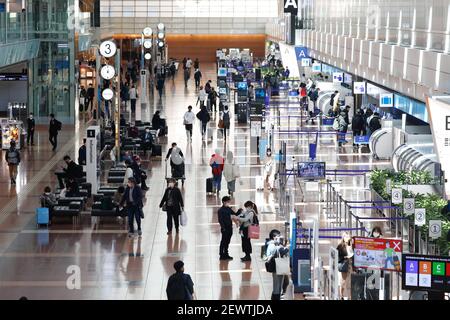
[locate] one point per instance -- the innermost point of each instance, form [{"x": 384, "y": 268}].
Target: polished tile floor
[{"x": 34, "y": 262}]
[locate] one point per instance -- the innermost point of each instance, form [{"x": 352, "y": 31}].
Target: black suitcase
[
  {"x": 209, "y": 185},
  {"x": 156, "y": 150}
]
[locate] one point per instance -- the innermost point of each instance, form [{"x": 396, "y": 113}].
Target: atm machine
[{"x": 93, "y": 148}]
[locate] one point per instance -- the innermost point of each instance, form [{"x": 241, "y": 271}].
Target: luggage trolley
[{"x": 177, "y": 173}]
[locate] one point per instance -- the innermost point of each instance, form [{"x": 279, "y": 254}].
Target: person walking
[
  {"x": 53, "y": 129},
  {"x": 358, "y": 126},
  {"x": 345, "y": 255},
  {"x": 217, "y": 164},
  {"x": 197, "y": 77},
  {"x": 374, "y": 123},
  {"x": 180, "y": 285},
  {"x": 188, "y": 121},
  {"x": 204, "y": 117},
  {"x": 31, "y": 124},
  {"x": 176, "y": 161},
  {"x": 82, "y": 154},
  {"x": 189, "y": 64},
  {"x": 133, "y": 97},
  {"x": 202, "y": 96},
  {"x": 132, "y": 199},
  {"x": 160, "y": 86},
  {"x": 269, "y": 166},
  {"x": 245, "y": 218},
  {"x": 12, "y": 157},
  {"x": 172, "y": 203},
  {"x": 276, "y": 249},
  {"x": 225, "y": 117},
  {"x": 343, "y": 127},
  {"x": 196, "y": 64},
  {"x": 187, "y": 75},
  {"x": 147, "y": 141},
  {"x": 212, "y": 98},
  {"x": 90, "y": 97},
  {"x": 231, "y": 173},
  {"x": 226, "y": 227}
]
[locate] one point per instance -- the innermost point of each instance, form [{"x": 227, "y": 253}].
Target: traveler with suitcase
[
  {"x": 217, "y": 163},
  {"x": 204, "y": 117},
  {"x": 172, "y": 203},
  {"x": 47, "y": 200}
]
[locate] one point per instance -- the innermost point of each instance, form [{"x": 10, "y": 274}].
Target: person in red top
[{"x": 217, "y": 165}]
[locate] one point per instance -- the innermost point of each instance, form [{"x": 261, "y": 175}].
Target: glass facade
[
  {"x": 413, "y": 23},
  {"x": 188, "y": 16},
  {"x": 52, "y": 76}
]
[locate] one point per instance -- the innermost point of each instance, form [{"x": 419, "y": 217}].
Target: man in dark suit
[
  {"x": 72, "y": 171},
  {"x": 53, "y": 129},
  {"x": 132, "y": 198},
  {"x": 30, "y": 129},
  {"x": 226, "y": 227},
  {"x": 90, "y": 97},
  {"x": 82, "y": 154}
]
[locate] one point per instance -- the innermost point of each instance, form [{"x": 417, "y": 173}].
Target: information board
[
  {"x": 377, "y": 253},
  {"x": 428, "y": 273}
]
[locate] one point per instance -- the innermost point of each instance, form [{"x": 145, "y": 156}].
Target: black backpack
[
  {"x": 176, "y": 287},
  {"x": 58, "y": 125}
]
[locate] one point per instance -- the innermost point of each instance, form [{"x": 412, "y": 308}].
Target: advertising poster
[
  {"x": 377, "y": 253},
  {"x": 359, "y": 87}
]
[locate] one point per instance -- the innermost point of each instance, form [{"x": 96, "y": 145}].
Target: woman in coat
[
  {"x": 276, "y": 249},
  {"x": 345, "y": 254},
  {"x": 245, "y": 218},
  {"x": 231, "y": 172},
  {"x": 172, "y": 202},
  {"x": 204, "y": 117}
]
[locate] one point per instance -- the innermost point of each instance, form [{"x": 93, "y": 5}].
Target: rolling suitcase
[
  {"x": 259, "y": 183},
  {"x": 209, "y": 185},
  {"x": 42, "y": 216},
  {"x": 156, "y": 150}
]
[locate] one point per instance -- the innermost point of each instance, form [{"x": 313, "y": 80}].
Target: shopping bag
[
  {"x": 183, "y": 218},
  {"x": 282, "y": 266},
  {"x": 253, "y": 231}
]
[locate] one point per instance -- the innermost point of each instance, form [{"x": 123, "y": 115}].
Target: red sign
[{"x": 377, "y": 253}]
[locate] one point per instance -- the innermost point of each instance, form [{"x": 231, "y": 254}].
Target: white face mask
[
  {"x": 171, "y": 185},
  {"x": 376, "y": 234}
]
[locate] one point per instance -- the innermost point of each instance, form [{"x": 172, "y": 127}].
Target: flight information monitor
[{"x": 426, "y": 273}]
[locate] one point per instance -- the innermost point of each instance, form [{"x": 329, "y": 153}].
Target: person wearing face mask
[
  {"x": 269, "y": 166},
  {"x": 231, "y": 173},
  {"x": 172, "y": 203},
  {"x": 245, "y": 218},
  {"x": 345, "y": 254},
  {"x": 376, "y": 232},
  {"x": 48, "y": 200},
  {"x": 132, "y": 199},
  {"x": 147, "y": 141},
  {"x": 31, "y": 124},
  {"x": 275, "y": 248}
]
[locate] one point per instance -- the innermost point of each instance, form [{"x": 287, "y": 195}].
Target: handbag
[
  {"x": 221, "y": 124},
  {"x": 282, "y": 266},
  {"x": 183, "y": 218},
  {"x": 271, "y": 265},
  {"x": 343, "y": 266},
  {"x": 253, "y": 231}
]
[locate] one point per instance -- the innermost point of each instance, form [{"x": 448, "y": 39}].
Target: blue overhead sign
[{"x": 301, "y": 53}]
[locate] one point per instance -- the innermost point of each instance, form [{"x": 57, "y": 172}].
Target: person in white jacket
[
  {"x": 269, "y": 168},
  {"x": 202, "y": 96},
  {"x": 188, "y": 121},
  {"x": 231, "y": 173}
]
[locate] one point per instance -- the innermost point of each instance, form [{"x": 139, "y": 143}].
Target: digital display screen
[
  {"x": 242, "y": 86},
  {"x": 13, "y": 77},
  {"x": 260, "y": 93},
  {"x": 427, "y": 273},
  {"x": 311, "y": 170},
  {"x": 222, "y": 72},
  {"x": 222, "y": 90},
  {"x": 240, "y": 68}
]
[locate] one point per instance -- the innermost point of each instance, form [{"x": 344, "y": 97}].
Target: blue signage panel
[
  {"x": 362, "y": 139},
  {"x": 301, "y": 53}
]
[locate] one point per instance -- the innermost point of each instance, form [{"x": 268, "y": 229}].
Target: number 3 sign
[
  {"x": 108, "y": 49},
  {"x": 408, "y": 206}
]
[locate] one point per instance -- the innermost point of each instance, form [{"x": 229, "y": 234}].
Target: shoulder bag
[
  {"x": 270, "y": 264},
  {"x": 343, "y": 266}
]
